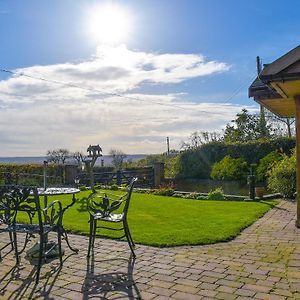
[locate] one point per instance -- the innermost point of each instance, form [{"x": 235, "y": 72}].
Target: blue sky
[{"x": 183, "y": 66}]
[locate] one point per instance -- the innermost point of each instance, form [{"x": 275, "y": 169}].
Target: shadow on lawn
[{"x": 83, "y": 204}]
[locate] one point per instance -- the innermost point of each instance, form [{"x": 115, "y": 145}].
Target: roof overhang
[{"x": 278, "y": 84}]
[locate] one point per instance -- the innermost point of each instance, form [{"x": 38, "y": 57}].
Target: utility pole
[{"x": 168, "y": 145}]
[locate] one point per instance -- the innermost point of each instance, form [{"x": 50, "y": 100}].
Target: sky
[{"x": 128, "y": 74}]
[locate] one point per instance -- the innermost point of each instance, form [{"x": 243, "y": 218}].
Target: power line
[
  {"x": 239, "y": 89},
  {"x": 92, "y": 89},
  {"x": 116, "y": 94}
]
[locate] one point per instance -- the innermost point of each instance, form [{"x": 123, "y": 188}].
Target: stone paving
[{"x": 261, "y": 263}]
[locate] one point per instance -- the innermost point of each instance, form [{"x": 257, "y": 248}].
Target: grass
[{"x": 169, "y": 221}]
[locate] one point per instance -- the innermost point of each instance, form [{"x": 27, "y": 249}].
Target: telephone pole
[{"x": 168, "y": 145}]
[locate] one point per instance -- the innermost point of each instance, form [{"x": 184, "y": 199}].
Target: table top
[{"x": 57, "y": 191}]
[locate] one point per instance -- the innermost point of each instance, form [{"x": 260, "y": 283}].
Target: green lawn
[{"x": 168, "y": 221}]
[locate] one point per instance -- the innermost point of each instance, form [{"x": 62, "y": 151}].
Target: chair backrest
[
  {"x": 106, "y": 204},
  {"x": 129, "y": 192},
  {"x": 15, "y": 199}
]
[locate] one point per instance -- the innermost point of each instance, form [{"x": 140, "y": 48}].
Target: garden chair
[
  {"x": 109, "y": 208},
  {"x": 22, "y": 203}
]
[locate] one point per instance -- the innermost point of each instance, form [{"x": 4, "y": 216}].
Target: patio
[{"x": 262, "y": 263}]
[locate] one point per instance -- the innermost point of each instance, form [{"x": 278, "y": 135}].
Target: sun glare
[{"x": 109, "y": 24}]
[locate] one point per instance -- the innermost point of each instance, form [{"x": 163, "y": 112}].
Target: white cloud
[{"x": 37, "y": 115}]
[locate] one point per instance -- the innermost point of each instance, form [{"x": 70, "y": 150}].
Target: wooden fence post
[
  {"x": 71, "y": 172},
  {"x": 159, "y": 173},
  {"x": 119, "y": 177}
]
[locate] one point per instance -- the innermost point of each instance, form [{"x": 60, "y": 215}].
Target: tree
[
  {"x": 77, "y": 156},
  {"x": 118, "y": 157},
  {"x": 246, "y": 127},
  {"x": 197, "y": 139},
  {"x": 281, "y": 126},
  {"x": 58, "y": 156}
]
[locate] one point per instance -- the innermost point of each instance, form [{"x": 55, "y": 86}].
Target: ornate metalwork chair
[
  {"x": 109, "y": 208},
  {"x": 19, "y": 207}
]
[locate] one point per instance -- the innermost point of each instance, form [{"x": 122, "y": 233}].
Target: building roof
[
  {"x": 287, "y": 67},
  {"x": 278, "y": 84},
  {"x": 261, "y": 90}
]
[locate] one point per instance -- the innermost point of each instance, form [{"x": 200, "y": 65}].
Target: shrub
[
  {"x": 216, "y": 194},
  {"x": 170, "y": 161},
  {"x": 230, "y": 169},
  {"x": 97, "y": 186},
  {"x": 196, "y": 163},
  {"x": 282, "y": 177},
  {"x": 114, "y": 187},
  {"x": 266, "y": 164},
  {"x": 82, "y": 188},
  {"x": 163, "y": 191},
  {"x": 31, "y": 174},
  {"x": 191, "y": 196}
]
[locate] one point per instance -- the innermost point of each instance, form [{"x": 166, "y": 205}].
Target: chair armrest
[
  {"x": 52, "y": 204},
  {"x": 118, "y": 197},
  {"x": 54, "y": 217}
]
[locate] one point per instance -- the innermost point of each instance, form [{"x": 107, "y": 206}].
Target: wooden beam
[
  {"x": 279, "y": 90},
  {"x": 297, "y": 106}
]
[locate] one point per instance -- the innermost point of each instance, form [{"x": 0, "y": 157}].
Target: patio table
[{"x": 56, "y": 191}]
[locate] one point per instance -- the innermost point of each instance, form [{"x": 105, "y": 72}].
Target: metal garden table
[{"x": 56, "y": 191}]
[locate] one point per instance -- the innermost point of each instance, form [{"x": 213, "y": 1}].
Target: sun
[{"x": 109, "y": 24}]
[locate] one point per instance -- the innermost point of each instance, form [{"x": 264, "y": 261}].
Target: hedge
[
  {"x": 197, "y": 163},
  {"x": 31, "y": 174}
]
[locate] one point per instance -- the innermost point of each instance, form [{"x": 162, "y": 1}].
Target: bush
[
  {"x": 97, "y": 186},
  {"x": 163, "y": 192},
  {"x": 230, "y": 169},
  {"x": 266, "y": 164},
  {"x": 197, "y": 163},
  {"x": 217, "y": 194},
  {"x": 83, "y": 188},
  {"x": 114, "y": 187},
  {"x": 282, "y": 177},
  {"x": 31, "y": 174}
]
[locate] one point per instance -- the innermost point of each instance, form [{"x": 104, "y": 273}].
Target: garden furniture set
[{"x": 22, "y": 211}]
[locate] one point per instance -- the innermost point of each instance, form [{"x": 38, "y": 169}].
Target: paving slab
[{"x": 263, "y": 262}]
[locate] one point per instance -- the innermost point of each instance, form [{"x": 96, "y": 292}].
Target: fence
[
  {"x": 145, "y": 177},
  {"x": 148, "y": 177}
]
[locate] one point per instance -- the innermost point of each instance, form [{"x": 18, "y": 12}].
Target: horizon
[
  {"x": 128, "y": 154},
  {"x": 128, "y": 74}
]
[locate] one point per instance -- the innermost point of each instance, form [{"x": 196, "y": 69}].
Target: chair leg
[
  {"x": 91, "y": 236},
  {"x": 132, "y": 242},
  {"x": 59, "y": 246},
  {"x": 11, "y": 240},
  {"x": 127, "y": 234},
  {"x": 94, "y": 232},
  {"x": 15, "y": 242},
  {"x": 41, "y": 252}
]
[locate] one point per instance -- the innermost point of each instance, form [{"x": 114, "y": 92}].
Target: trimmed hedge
[
  {"x": 197, "y": 163},
  {"x": 31, "y": 174}
]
